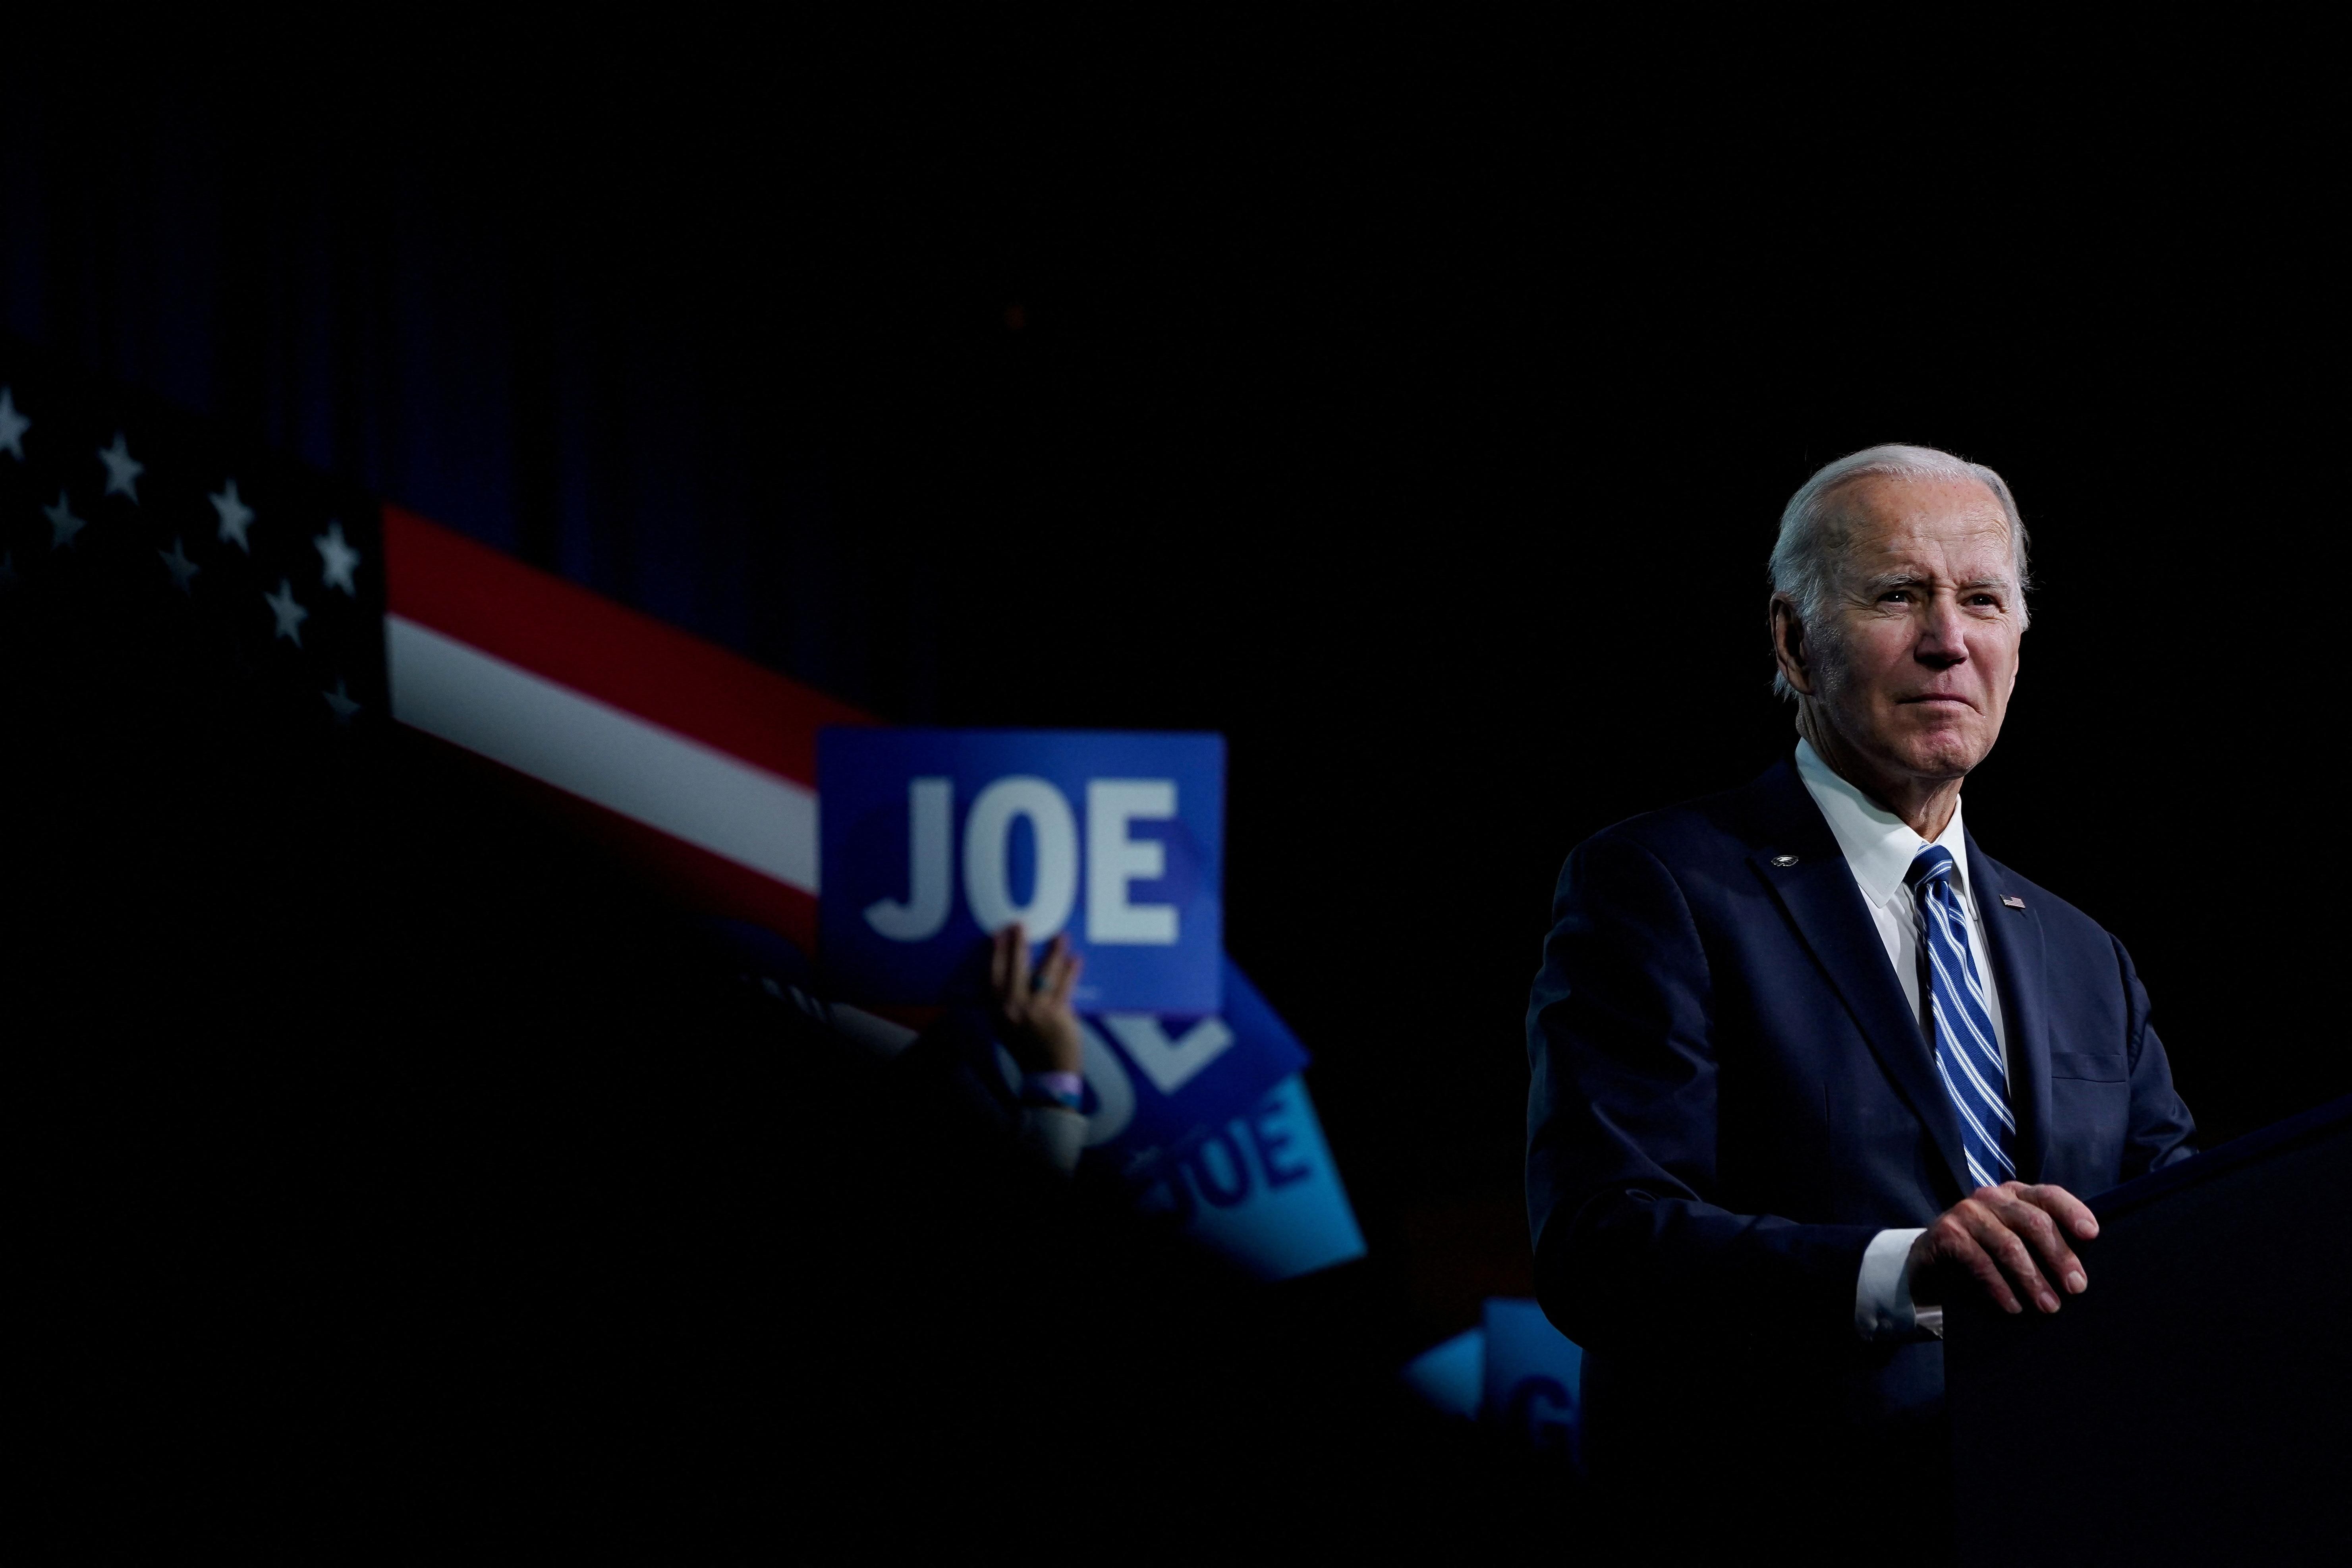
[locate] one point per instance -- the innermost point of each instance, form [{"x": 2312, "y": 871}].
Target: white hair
[{"x": 1815, "y": 528}]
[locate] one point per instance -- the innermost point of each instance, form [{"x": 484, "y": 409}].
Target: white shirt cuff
[
  {"x": 1881, "y": 1296},
  {"x": 1055, "y": 1135}
]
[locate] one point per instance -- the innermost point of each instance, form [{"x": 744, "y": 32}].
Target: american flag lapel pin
[{"x": 2012, "y": 901}]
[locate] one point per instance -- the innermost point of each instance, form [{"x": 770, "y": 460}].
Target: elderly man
[{"x": 1806, "y": 1059}]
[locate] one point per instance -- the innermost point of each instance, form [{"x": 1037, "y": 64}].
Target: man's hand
[
  {"x": 1032, "y": 1014},
  {"x": 1994, "y": 1234}
]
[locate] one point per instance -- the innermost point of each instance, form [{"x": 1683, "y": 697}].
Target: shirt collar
[{"x": 1879, "y": 846}]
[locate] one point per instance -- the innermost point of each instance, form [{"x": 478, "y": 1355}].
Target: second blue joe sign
[{"x": 933, "y": 839}]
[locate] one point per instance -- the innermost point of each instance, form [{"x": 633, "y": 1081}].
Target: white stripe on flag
[{"x": 602, "y": 753}]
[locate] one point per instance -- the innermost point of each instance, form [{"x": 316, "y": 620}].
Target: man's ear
[{"x": 1788, "y": 648}]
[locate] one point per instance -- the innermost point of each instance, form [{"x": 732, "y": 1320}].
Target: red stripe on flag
[{"x": 571, "y": 636}]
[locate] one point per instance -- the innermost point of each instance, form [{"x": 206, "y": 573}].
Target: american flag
[{"x": 121, "y": 515}]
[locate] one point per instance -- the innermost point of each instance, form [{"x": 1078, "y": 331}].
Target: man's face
[{"x": 1917, "y": 667}]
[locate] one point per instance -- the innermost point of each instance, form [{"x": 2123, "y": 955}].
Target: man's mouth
[{"x": 1939, "y": 700}]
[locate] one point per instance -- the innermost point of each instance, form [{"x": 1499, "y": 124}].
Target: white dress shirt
[{"x": 1879, "y": 848}]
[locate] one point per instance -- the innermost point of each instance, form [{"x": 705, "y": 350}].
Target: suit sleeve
[
  {"x": 2160, "y": 1124},
  {"x": 1631, "y": 1252}
]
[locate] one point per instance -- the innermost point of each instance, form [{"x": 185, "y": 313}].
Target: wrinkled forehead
[{"x": 1955, "y": 526}]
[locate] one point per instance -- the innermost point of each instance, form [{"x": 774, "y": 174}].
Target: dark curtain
[{"x": 567, "y": 322}]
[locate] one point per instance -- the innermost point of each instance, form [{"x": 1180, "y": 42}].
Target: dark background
[{"x": 1413, "y": 409}]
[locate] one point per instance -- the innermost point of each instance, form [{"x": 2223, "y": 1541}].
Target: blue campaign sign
[
  {"x": 1534, "y": 1377},
  {"x": 1151, "y": 1079},
  {"x": 1452, "y": 1376},
  {"x": 931, "y": 840},
  {"x": 1261, "y": 1190}
]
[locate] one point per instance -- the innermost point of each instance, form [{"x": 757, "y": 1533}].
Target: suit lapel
[
  {"x": 1816, "y": 890},
  {"x": 2014, "y": 933}
]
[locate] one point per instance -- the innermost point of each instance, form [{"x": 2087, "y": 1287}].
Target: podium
[{"x": 2195, "y": 1404}]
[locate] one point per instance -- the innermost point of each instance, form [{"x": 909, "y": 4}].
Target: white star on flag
[
  {"x": 291, "y": 615},
  {"x": 122, "y": 470},
  {"x": 337, "y": 558},
  {"x": 341, "y": 701},
  {"x": 236, "y": 517},
  {"x": 13, "y": 425},
  {"x": 63, "y": 523},
  {"x": 175, "y": 561}
]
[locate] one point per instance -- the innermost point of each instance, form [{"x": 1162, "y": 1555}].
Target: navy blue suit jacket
[{"x": 1731, "y": 1096}]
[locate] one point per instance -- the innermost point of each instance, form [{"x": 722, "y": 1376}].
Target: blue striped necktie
[{"x": 1967, "y": 1053}]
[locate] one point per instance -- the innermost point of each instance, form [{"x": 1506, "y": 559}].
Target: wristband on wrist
[{"x": 1054, "y": 1091}]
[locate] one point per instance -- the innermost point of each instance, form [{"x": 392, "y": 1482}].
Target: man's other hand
[
  {"x": 1995, "y": 1236},
  {"x": 1032, "y": 1014}
]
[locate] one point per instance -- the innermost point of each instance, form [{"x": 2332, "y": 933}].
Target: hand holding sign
[{"x": 1031, "y": 1016}]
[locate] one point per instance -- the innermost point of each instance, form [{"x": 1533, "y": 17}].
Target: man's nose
[{"x": 1943, "y": 635}]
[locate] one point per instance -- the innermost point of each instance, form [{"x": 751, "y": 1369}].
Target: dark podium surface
[{"x": 2195, "y": 1404}]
